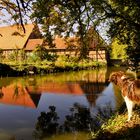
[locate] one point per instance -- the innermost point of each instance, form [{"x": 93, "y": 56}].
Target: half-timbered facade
[{"x": 13, "y": 38}]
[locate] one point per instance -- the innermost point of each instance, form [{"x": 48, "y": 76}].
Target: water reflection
[
  {"x": 55, "y": 104},
  {"x": 27, "y": 91},
  {"x": 78, "y": 120}
]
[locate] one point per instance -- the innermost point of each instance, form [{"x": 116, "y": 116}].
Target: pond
[{"x": 56, "y": 106}]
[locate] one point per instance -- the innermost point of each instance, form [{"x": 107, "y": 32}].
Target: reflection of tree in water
[
  {"x": 47, "y": 123},
  {"x": 1, "y": 93},
  {"x": 79, "y": 119},
  {"x": 18, "y": 90}
]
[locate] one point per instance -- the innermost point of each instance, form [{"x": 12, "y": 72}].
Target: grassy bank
[
  {"x": 61, "y": 64},
  {"x": 117, "y": 128}
]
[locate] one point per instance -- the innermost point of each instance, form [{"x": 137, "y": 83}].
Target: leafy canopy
[
  {"x": 66, "y": 18},
  {"x": 124, "y": 24}
]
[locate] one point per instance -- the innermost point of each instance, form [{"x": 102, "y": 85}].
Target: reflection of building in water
[
  {"x": 19, "y": 96},
  {"x": 92, "y": 91},
  {"x": 35, "y": 98},
  {"x": 29, "y": 93},
  {"x": 30, "y": 96},
  {"x": 57, "y": 88},
  {"x": 92, "y": 99},
  {"x": 94, "y": 85}
]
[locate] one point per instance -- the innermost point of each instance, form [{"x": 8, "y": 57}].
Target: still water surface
[{"x": 57, "y": 106}]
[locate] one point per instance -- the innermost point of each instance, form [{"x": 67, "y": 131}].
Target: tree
[
  {"x": 16, "y": 9},
  {"x": 118, "y": 50},
  {"x": 65, "y": 18},
  {"x": 124, "y": 24},
  {"x": 75, "y": 17},
  {"x": 41, "y": 52}
]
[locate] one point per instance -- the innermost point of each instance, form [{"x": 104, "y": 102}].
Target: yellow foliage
[{"x": 118, "y": 50}]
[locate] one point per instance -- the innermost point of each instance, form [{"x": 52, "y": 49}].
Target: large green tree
[
  {"x": 124, "y": 24},
  {"x": 66, "y": 17}
]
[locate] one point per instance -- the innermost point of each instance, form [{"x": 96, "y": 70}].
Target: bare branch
[{"x": 20, "y": 14}]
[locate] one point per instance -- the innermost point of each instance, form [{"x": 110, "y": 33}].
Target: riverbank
[
  {"x": 46, "y": 67},
  {"x": 117, "y": 128}
]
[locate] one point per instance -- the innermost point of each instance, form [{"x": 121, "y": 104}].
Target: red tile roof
[
  {"x": 21, "y": 99},
  {"x": 62, "y": 43},
  {"x": 71, "y": 42},
  {"x": 33, "y": 43}
]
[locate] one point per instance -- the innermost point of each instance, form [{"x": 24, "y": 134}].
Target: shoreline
[{"x": 18, "y": 69}]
